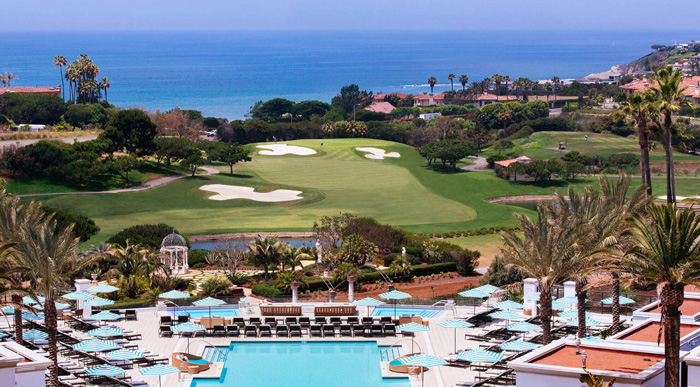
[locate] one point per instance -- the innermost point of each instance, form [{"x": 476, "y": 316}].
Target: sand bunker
[
  {"x": 284, "y": 149},
  {"x": 227, "y": 192},
  {"x": 377, "y": 154}
]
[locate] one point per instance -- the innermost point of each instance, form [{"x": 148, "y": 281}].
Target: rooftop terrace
[
  {"x": 600, "y": 359},
  {"x": 650, "y": 332}
]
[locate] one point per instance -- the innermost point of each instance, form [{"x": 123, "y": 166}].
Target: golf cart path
[
  {"x": 150, "y": 184},
  {"x": 478, "y": 163}
]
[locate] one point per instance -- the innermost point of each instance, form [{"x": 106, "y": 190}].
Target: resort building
[
  {"x": 32, "y": 90},
  {"x": 21, "y": 367}
]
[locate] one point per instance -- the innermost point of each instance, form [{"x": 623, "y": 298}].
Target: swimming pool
[
  {"x": 302, "y": 364},
  {"x": 382, "y": 311},
  {"x": 204, "y": 312}
]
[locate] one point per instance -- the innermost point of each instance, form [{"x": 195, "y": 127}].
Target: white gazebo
[{"x": 174, "y": 253}]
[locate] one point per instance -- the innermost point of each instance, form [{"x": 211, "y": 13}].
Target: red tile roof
[
  {"x": 642, "y": 85},
  {"x": 31, "y": 90},
  {"x": 650, "y": 333},
  {"x": 381, "y": 97},
  {"x": 381, "y": 107},
  {"x": 600, "y": 359}
]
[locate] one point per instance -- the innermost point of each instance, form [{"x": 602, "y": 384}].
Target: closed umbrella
[
  {"x": 95, "y": 345},
  {"x": 413, "y": 328},
  {"x": 34, "y": 334},
  {"x": 517, "y": 345},
  {"x": 106, "y": 332},
  {"x": 455, "y": 324},
  {"x": 104, "y": 370},
  {"x": 209, "y": 301},
  {"x": 508, "y": 304},
  {"x": 422, "y": 360},
  {"x": 188, "y": 327},
  {"x": 368, "y": 301},
  {"x": 159, "y": 370},
  {"x": 480, "y": 356},
  {"x": 474, "y": 293},
  {"x": 395, "y": 295},
  {"x": 103, "y": 288}
]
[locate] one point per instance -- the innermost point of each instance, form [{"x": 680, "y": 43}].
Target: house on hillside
[
  {"x": 380, "y": 107},
  {"x": 32, "y": 90}
]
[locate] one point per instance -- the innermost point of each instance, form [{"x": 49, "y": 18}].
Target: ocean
[{"x": 223, "y": 73}]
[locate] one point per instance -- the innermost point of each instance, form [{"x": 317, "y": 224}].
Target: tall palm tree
[
  {"x": 670, "y": 96},
  {"x": 266, "y": 251},
  {"x": 555, "y": 84},
  {"x": 497, "y": 80},
  {"x": 666, "y": 253},
  {"x": 104, "y": 85},
  {"x": 544, "y": 252},
  {"x": 9, "y": 273},
  {"x": 548, "y": 89},
  {"x": 294, "y": 256},
  {"x": 432, "y": 81},
  {"x": 3, "y": 80},
  {"x": 643, "y": 109},
  {"x": 463, "y": 79},
  {"x": 49, "y": 252},
  {"x": 60, "y": 61},
  {"x": 506, "y": 80},
  {"x": 9, "y": 78},
  {"x": 452, "y": 77}
]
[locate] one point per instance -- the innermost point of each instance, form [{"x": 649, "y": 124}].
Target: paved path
[
  {"x": 68, "y": 140},
  {"x": 478, "y": 163},
  {"x": 150, "y": 184}
]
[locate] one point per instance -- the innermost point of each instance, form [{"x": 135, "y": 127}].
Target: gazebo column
[{"x": 351, "y": 288}]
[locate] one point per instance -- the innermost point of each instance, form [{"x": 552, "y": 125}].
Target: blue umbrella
[
  {"x": 395, "y": 295},
  {"x": 368, "y": 301},
  {"x": 188, "y": 327},
  {"x": 523, "y": 327},
  {"x": 58, "y": 305},
  {"x": 8, "y": 310},
  {"x": 79, "y": 295},
  {"x": 95, "y": 345},
  {"x": 455, "y": 324},
  {"x": 29, "y": 316},
  {"x": 623, "y": 301},
  {"x": 480, "y": 356},
  {"x": 564, "y": 303},
  {"x": 508, "y": 304},
  {"x": 104, "y": 316},
  {"x": 103, "y": 288},
  {"x": 474, "y": 293},
  {"x": 422, "y": 360},
  {"x": 209, "y": 301},
  {"x": 34, "y": 334},
  {"x": 174, "y": 295},
  {"x": 413, "y": 328},
  {"x": 104, "y": 370},
  {"x": 123, "y": 354},
  {"x": 106, "y": 332},
  {"x": 517, "y": 345},
  {"x": 30, "y": 300},
  {"x": 159, "y": 370},
  {"x": 589, "y": 322},
  {"x": 489, "y": 289},
  {"x": 98, "y": 301}
]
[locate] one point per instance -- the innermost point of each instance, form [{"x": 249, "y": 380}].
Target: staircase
[
  {"x": 390, "y": 353},
  {"x": 214, "y": 354}
]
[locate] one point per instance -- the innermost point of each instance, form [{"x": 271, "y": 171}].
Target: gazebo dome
[{"x": 173, "y": 239}]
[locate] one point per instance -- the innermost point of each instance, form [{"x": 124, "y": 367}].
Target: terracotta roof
[
  {"x": 493, "y": 97},
  {"x": 30, "y": 90},
  {"x": 381, "y": 107},
  {"x": 642, "y": 85},
  {"x": 650, "y": 332},
  {"x": 600, "y": 359},
  {"x": 690, "y": 307},
  {"x": 381, "y": 97},
  {"x": 506, "y": 163}
]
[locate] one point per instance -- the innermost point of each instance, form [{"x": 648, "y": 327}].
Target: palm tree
[
  {"x": 9, "y": 274},
  {"x": 432, "y": 81},
  {"x": 497, "y": 80},
  {"x": 544, "y": 252},
  {"x": 506, "y": 79},
  {"x": 463, "y": 79},
  {"x": 670, "y": 96},
  {"x": 104, "y": 85},
  {"x": 266, "y": 251},
  {"x": 666, "y": 253},
  {"x": 3, "y": 80},
  {"x": 60, "y": 61},
  {"x": 643, "y": 109},
  {"x": 49, "y": 252},
  {"x": 9, "y": 77},
  {"x": 555, "y": 84},
  {"x": 452, "y": 77},
  {"x": 548, "y": 89},
  {"x": 294, "y": 256},
  {"x": 356, "y": 249}
]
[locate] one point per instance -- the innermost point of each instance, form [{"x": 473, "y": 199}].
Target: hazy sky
[{"x": 32, "y": 15}]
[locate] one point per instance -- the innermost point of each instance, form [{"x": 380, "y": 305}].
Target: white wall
[
  {"x": 527, "y": 379},
  {"x": 7, "y": 377},
  {"x": 34, "y": 378}
]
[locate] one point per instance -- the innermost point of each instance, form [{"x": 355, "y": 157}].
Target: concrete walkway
[
  {"x": 478, "y": 163},
  {"x": 150, "y": 184},
  {"x": 67, "y": 140}
]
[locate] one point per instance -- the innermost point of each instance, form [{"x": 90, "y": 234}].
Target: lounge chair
[
  {"x": 358, "y": 330},
  {"x": 385, "y": 320},
  {"x": 232, "y": 330},
  {"x": 305, "y": 322},
  {"x": 271, "y": 321},
  {"x": 282, "y": 330},
  {"x": 265, "y": 331},
  {"x": 320, "y": 320},
  {"x": 165, "y": 330},
  {"x": 353, "y": 320},
  {"x": 290, "y": 320},
  {"x": 130, "y": 314},
  {"x": 315, "y": 330},
  {"x": 219, "y": 330},
  {"x": 166, "y": 320},
  {"x": 346, "y": 330},
  {"x": 377, "y": 330},
  {"x": 251, "y": 331},
  {"x": 390, "y": 330},
  {"x": 367, "y": 321},
  {"x": 240, "y": 321},
  {"x": 254, "y": 321},
  {"x": 183, "y": 319},
  {"x": 328, "y": 331},
  {"x": 336, "y": 321},
  {"x": 115, "y": 311},
  {"x": 295, "y": 330}
]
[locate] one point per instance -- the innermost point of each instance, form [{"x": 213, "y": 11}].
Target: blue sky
[{"x": 72, "y": 15}]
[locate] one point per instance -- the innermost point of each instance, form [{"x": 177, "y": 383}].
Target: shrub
[
  {"x": 499, "y": 274},
  {"x": 466, "y": 261},
  {"x": 383, "y": 236},
  {"x": 493, "y": 158},
  {"x": 146, "y": 235},
  {"x": 196, "y": 257},
  {"x": 84, "y": 227},
  {"x": 81, "y": 115},
  {"x": 265, "y": 290},
  {"x": 217, "y": 286}
]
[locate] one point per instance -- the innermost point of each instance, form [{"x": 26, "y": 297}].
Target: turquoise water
[
  {"x": 299, "y": 364},
  {"x": 400, "y": 311},
  {"x": 223, "y": 73},
  {"x": 202, "y": 312}
]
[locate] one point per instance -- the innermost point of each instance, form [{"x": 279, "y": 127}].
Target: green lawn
[
  {"x": 404, "y": 192},
  {"x": 536, "y": 146}
]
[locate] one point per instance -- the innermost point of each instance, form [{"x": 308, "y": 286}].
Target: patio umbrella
[
  {"x": 395, "y": 295},
  {"x": 103, "y": 288},
  {"x": 58, "y": 305},
  {"x": 517, "y": 345},
  {"x": 188, "y": 327},
  {"x": 413, "y": 328},
  {"x": 106, "y": 332},
  {"x": 508, "y": 304},
  {"x": 159, "y": 370},
  {"x": 3, "y": 335},
  {"x": 505, "y": 315},
  {"x": 29, "y": 300},
  {"x": 98, "y": 301},
  {"x": 34, "y": 334},
  {"x": 532, "y": 297},
  {"x": 174, "y": 295},
  {"x": 8, "y": 310},
  {"x": 589, "y": 322},
  {"x": 123, "y": 354},
  {"x": 623, "y": 301},
  {"x": 79, "y": 295},
  {"x": 593, "y": 339},
  {"x": 29, "y": 316},
  {"x": 523, "y": 327},
  {"x": 421, "y": 361},
  {"x": 95, "y": 345},
  {"x": 455, "y": 324},
  {"x": 368, "y": 301},
  {"x": 104, "y": 370},
  {"x": 573, "y": 313},
  {"x": 564, "y": 303},
  {"x": 105, "y": 316},
  {"x": 490, "y": 289},
  {"x": 480, "y": 356},
  {"x": 209, "y": 301},
  {"x": 474, "y": 293}
]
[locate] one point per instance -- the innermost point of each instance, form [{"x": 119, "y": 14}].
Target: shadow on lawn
[{"x": 447, "y": 170}]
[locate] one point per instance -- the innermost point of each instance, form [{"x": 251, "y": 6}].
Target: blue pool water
[
  {"x": 302, "y": 364},
  {"x": 204, "y": 312},
  {"x": 382, "y": 311}
]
